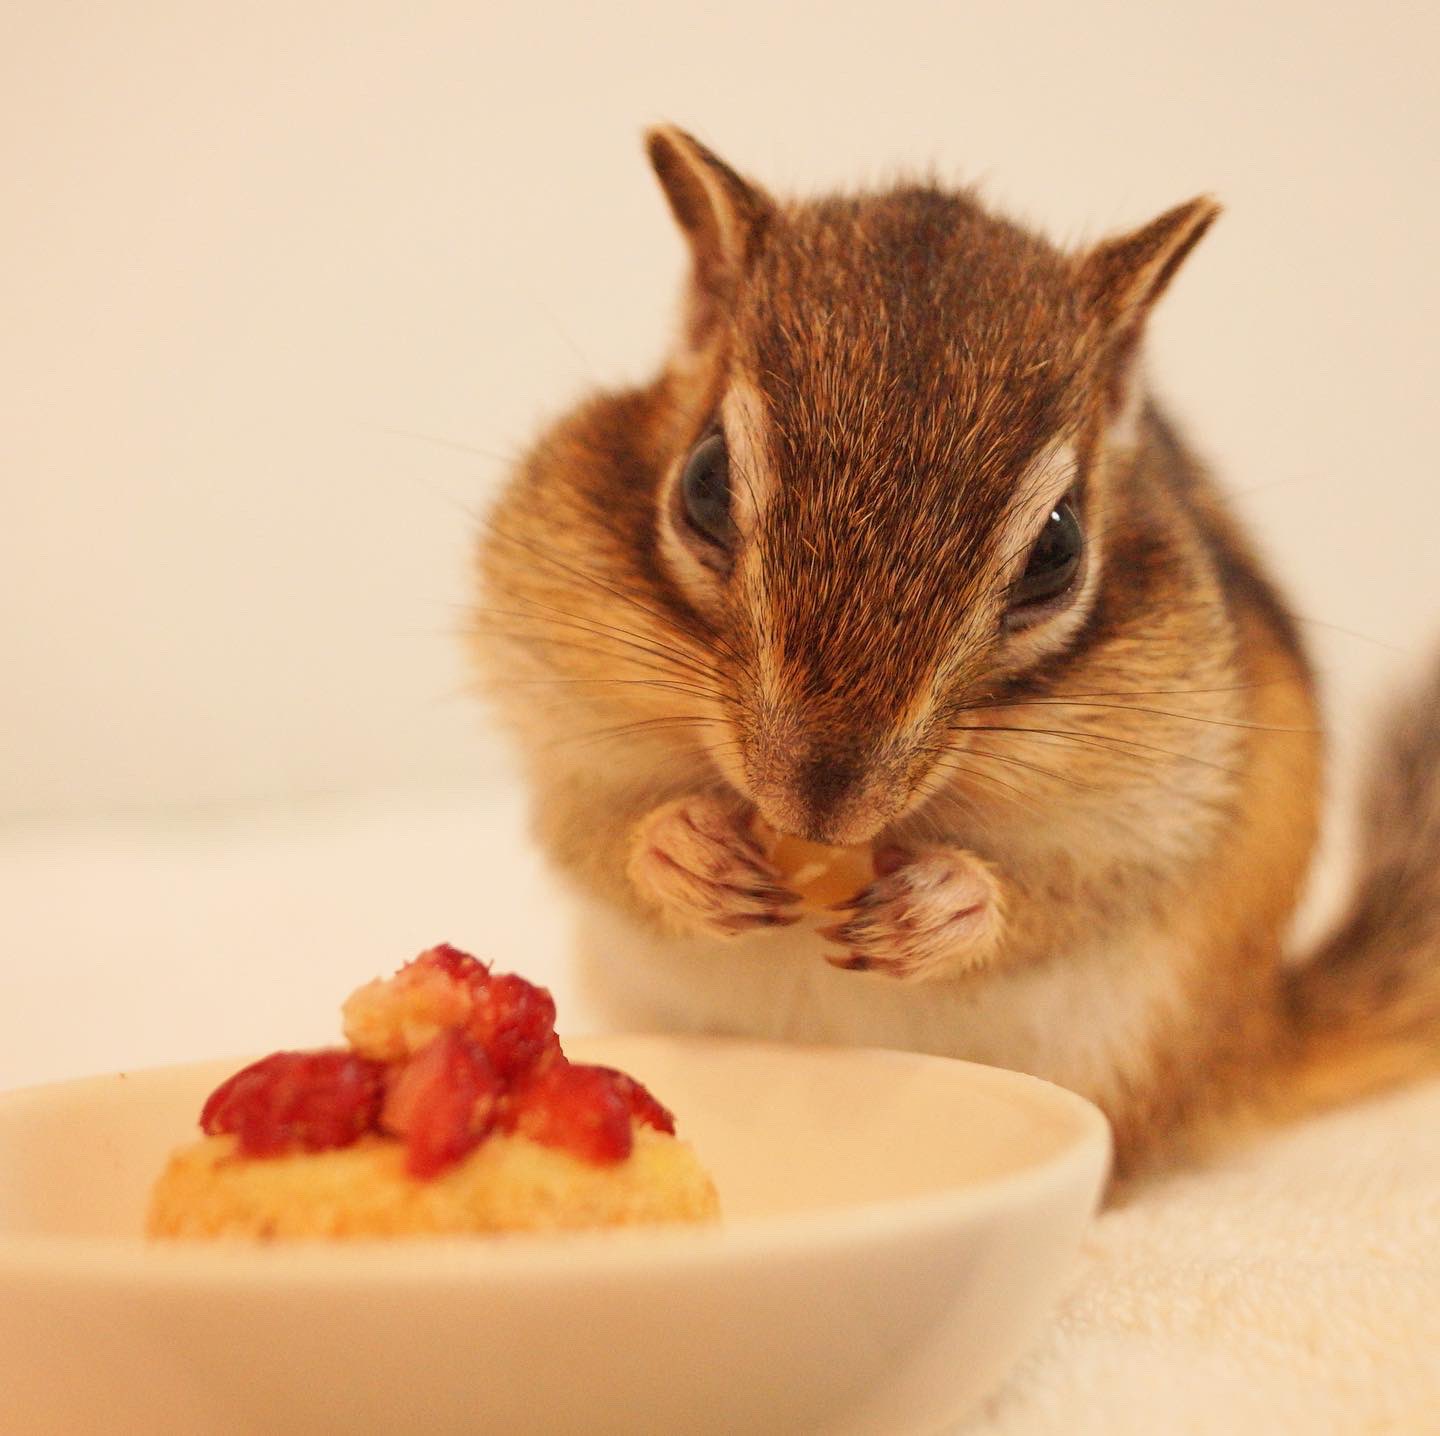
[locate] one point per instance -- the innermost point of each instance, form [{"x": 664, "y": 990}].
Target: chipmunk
[{"x": 897, "y": 551}]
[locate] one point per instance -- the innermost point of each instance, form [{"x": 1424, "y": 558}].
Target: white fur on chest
[{"x": 1088, "y": 1021}]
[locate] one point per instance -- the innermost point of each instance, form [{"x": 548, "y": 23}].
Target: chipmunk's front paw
[
  {"x": 696, "y": 860},
  {"x": 932, "y": 913}
]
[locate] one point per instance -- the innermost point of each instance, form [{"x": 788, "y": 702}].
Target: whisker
[
  {"x": 950, "y": 800},
  {"x": 1169, "y": 692},
  {"x": 1350, "y": 633},
  {"x": 668, "y": 620},
  {"x": 950, "y": 766},
  {"x": 1033, "y": 767},
  {"x": 539, "y": 639},
  {"x": 1137, "y": 708},
  {"x": 1106, "y": 741},
  {"x": 659, "y": 684},
  {"x": 513, "y": 457},
  {"x": 657, "y": 645},
  {"x": 654, "y": 646},
  {"x": 594, "y": 579},
  {"x": 625, "y": 730}
]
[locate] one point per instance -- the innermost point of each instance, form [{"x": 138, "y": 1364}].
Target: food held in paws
[
  {"x": 821, "y": 875},
  {"x": 453, "y": 1109}
]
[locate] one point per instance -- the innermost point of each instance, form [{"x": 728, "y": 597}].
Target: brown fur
[{"x": 1135, "y": 783}]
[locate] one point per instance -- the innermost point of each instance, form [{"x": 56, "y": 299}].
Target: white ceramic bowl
[{"x": 896, "y": 1227}]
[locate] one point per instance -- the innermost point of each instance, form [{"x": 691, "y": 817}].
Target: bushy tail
[{"x": 1365, "y": 1009}]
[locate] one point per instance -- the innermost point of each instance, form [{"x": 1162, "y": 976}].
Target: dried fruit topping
[
  {"x": 297, "y": 1101},
  {"x": 390, "y": 1018},
  {"x": 515, "y": 1021},
  {"x": 580, "y": 1109},
  {"x": 642, "y": 1106},
  {"x": 443, "y": 1053},
  {"x": 442, "y": 1102},
  {"x": 452, "y": 962}
]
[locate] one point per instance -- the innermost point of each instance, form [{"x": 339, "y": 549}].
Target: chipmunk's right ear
[
  {"x": 1123, "y": 277},
  {"x": 721, "y": 214}
]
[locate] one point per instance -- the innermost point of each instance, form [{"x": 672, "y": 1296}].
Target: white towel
[{"x": 1293, "y": 1288}]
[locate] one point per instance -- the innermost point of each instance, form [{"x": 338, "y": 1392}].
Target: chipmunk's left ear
[
  {"x": 1121, "y": 278},
  {"x": 721, "y": 214}
]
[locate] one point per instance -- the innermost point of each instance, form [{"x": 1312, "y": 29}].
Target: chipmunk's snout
[
  {"x": 826, "y": 793},
  {"x": 836, "y": 722}
]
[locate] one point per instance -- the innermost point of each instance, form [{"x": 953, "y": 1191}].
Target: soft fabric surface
[{"x": 1293, "y": 1288}]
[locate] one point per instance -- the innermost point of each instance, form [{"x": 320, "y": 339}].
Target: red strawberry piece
[
  {"x": 577, "y": 1108},
  {"x": 289, "y": 1101},
  {"x": 515, "y": 1021},
  {"x": 452, "y": 962},
  {"x": 641, "y": 1105},
  {"x": 442, "y": 1102}
]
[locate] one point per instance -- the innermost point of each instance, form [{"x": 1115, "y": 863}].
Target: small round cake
[
  {"x": 507, "y": 1184},
  {"x": 452, "y": 1110}
]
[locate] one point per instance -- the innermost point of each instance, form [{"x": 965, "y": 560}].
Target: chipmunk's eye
[
  {"x": 705, "y": 491},
  {"x": 1054, "y": 562}
]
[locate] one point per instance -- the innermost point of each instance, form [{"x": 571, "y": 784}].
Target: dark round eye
[
  {"x": 1053, "y": 564},
  {"x": 705, "y": 491}
]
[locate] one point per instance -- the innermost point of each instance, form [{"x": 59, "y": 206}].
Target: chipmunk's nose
[
  {"x": 826, "y": 782},
  {"x": 827, "y": 788},
  {"x": 828, "y": 795}
]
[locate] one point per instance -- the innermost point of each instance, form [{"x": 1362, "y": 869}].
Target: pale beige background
[{"x": 267, "y": 272}]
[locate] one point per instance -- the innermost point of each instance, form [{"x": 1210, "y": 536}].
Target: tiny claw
[
  {"x": 851, "y": 962},
  {"x": 836, "y": 933},
  {"x": 748, "y": 922},
  {"x": 781, "y": 897}
]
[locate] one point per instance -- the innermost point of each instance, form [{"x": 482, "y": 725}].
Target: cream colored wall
[{"x": 279, "y": 281}]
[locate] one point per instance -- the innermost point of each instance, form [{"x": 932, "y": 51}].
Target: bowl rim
[{"x": 1082, "y": 1159}]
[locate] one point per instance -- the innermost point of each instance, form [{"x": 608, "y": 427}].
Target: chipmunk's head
[{"x": 889, "y": 425}]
